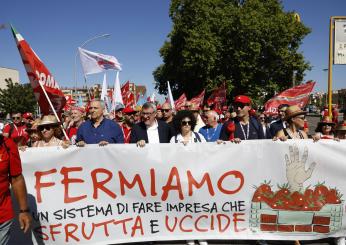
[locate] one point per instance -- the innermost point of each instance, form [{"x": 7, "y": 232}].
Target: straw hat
[
  {"x": 48, "y": 120},
  {"x": 325, "y": 121},
  {"x": 341, "y": 126},
  {"x": 293, "y": 111}
]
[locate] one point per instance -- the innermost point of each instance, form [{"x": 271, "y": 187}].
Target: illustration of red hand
[{"x": 295, "y": 169}]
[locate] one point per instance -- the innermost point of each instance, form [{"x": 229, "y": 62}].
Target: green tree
[
  {"x": 252, "y": 45},
  {"x": 17, "y": 98}
]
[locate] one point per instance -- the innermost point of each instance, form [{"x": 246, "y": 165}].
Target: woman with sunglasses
[
  {"x": 325, "y": 130},
  {"x": 294, "y": 116},
  {"x": 184, "y": 123},
  {"x": 50, "y": 133}
]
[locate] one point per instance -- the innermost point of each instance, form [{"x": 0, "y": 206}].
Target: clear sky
[{"x": 137, "y": 29}]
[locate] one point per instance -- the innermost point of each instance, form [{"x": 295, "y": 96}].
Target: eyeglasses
[
  {"x": 185, "y": 123},
  {"x": 166, "y": 110},
  {"x": 46, "y": 127},
  {"x": 240, "y": 105},
  {"x": 16, "y": 118},
  {"x": 262, "y": 118},
  {"x": 147, "y": 113}
]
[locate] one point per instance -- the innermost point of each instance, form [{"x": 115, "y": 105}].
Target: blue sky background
[{"x": 55, "y": 29}]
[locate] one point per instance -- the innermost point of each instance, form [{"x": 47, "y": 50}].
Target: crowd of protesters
[{"x": 149, "y": 124}]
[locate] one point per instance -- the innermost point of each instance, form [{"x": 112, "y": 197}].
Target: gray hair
[
  {"x": 102, "y": 102},
  {"x": 148, "y": 105}
]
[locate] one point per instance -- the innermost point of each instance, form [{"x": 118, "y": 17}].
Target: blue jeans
[{"x": 5, "y": 232}]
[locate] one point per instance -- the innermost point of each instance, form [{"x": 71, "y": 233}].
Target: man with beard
[
  {"x": 244, "y": 127},
  {"x": 98, "y": 130},
  {"x": 150, "y": 130},
  {"x": 128, "y": 122}
]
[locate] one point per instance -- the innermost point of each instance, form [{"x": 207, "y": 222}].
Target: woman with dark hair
[
  {"x": 325, "y": 129},
  {"x": 184, "y": 123}
]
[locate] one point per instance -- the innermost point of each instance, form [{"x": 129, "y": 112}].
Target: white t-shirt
[{"x": 180, "y": 138}]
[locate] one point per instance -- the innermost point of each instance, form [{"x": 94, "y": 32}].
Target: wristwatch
[{"x": 24, "y": 210}]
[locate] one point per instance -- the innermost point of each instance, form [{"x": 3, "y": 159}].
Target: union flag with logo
[
  {"x": 46, "y": 89},
  {"x": 298, "y": 95}
]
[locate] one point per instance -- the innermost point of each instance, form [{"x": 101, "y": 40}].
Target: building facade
[{"x": 8, "y": 74}]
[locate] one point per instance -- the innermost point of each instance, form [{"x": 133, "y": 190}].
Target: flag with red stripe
[
  {"x": 41, "y": 79},
  {"x": 298, "y": 95}
]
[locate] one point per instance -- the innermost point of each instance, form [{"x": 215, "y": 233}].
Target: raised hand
[{"x": 295, "y": 169}]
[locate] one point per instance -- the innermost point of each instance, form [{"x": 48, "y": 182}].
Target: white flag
[
  {"x": 170, "y": 96},
  {"x": 117, "y": 98},
  {"x": 104, "y": 94},
  {"x": 95, "y": 62}
]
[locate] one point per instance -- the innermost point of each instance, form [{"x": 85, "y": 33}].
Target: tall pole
[
  {"x": 330, "y": 63},
  {"x": 75, "y": 58}
]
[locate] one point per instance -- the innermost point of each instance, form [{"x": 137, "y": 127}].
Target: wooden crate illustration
[{"x": 263, "y": 218}]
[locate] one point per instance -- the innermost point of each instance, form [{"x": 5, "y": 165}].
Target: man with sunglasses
[
  {"x": 167, "y": 113},
  {"x": 150, "y": 130},
  {"x": 245, "y": 127},
  {"x": 16, "y": 130}
]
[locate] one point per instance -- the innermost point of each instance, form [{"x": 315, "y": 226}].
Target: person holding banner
[
  {"x": 294, "y": 116},
  {"x": 325, "y": 130},
  {"x": 184, "y": 123},
  {"x": 77, "y": 118},
  {"x": 279, "y": 124},
  {"x": 245, "y": 126},
  {"x": 50, "y": 133},
  {"x": 11, "y": 174},
  {"x": 99, "y": 130},
  {"x": 211, "y": 131},
  {"x": 150, "y": 130}
]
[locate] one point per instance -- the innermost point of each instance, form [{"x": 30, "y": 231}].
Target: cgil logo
[{"x": 47, "y": 81}]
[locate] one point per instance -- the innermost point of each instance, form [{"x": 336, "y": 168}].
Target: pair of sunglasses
[
  {"x": 166, "y": 110},
  {"x": 185, "y": 123},
  {"x": 240, "y": 105},
  {"x": 15, "y": 118},
  {"x": 46, "y": 127}
]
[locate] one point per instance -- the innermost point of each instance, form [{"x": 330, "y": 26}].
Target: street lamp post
[{"x": 75, "y": 58}]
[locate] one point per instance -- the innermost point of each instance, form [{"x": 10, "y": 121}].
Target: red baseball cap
[
  {"x": 242, "y": 99},
  {"x": 128, "y": 110},
  {"x": 28, "y": 115}
]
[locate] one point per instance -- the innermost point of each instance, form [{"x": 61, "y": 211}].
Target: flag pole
[{"x": 55, "y": 114}]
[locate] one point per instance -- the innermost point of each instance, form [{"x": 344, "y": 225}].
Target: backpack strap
[{"x": 197, "y": 137}]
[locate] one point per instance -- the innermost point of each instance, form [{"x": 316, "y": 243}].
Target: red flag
[
  {"x": 39, "y": 75},
  {"x": 298, "y": 95},
  {"x": 218, "y": 97},
  {"x": 198, "y": 100},
  {"x": 179, "y": 103}
]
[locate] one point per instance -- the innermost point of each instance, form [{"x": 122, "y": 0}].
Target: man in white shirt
[{"x": 149, "y": 130}]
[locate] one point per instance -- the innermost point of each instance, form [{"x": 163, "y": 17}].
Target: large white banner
[{"x": 120, "y": 193}]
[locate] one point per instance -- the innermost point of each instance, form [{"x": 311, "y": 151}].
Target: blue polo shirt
[
  {"x": 108, "y": 130},
  {"x": 211, "y": 134}
]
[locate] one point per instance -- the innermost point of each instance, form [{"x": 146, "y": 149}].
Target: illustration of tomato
[
  {"x": 265, "y": 187},
  {"x": 333, "y": 197},
  {"x": 321, "y": 189},
  {"x": 297, "y": 199},
  {"x": 283, "y": 191},
  {"x": 308, "y": 194}
]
